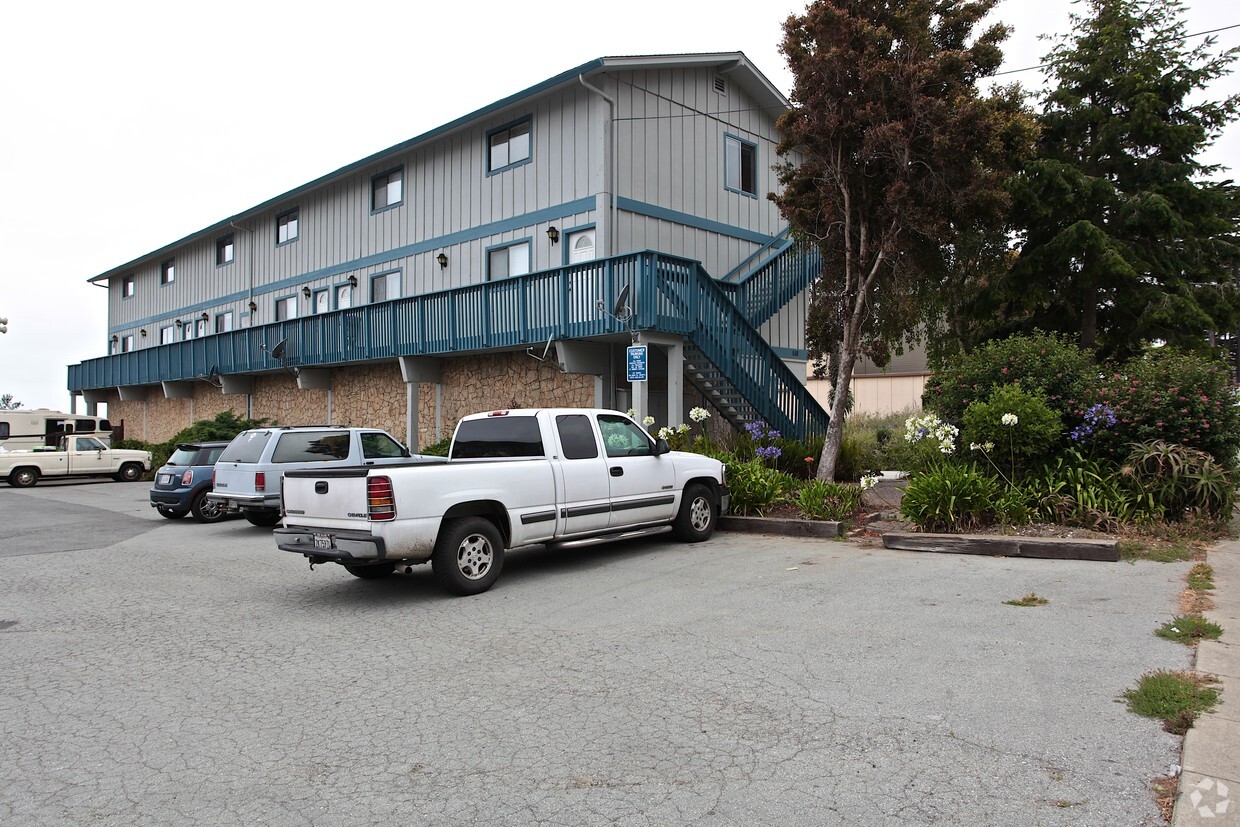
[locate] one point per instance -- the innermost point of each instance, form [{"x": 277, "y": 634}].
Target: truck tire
[
  {"x": 698, "y": 514},
  {"x": 468, "y": 555},
  {"x": 207, "y": 511},
  {"x": 130, "y": 472},
  {"x": 23, "y": 477},
  {"x": 264, "y": 519},
  {"x": 170, "y": 513},
  {"x": 376, "y": 572}
]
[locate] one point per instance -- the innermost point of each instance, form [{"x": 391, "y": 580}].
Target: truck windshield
[
  {"x": 247, "y": 447},
  {"x": 498, "y": 436}
]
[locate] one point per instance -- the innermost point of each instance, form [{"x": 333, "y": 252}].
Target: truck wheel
[
  {"x": 170, "y": 513},
  {"x": 697, "y": 517},
  {"x": 207, "y": 511},
  {"x": 23, "y": 477},
  {"x": 265, "y": 519},
  {"x": 375, "y": 572},
  {"x": 130, "y": 472},
  {"x": 468, "y": 556}
]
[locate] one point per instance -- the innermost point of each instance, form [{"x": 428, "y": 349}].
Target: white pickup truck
[
  {"x": 74, "y": 456},
  {"x": 566, "y": 477}
]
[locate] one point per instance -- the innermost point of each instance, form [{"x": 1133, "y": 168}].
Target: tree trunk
[
  {"x": 1089, "y": 319},
  {"x": 835, "y": 429}
]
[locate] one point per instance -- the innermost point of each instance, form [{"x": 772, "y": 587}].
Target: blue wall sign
[{"x": 637, "y": 363}]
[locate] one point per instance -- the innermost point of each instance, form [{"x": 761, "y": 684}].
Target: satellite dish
[
  {"x": 621, "y": 308},
  {"x": 277, "y": 352}
]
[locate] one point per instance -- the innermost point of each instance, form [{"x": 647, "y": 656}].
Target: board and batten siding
[
  {"x": 446, "y": 190},
  {"x": 670, "y": 132}
]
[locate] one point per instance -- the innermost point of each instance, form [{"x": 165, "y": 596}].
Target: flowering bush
[
  {"x": 1039, "y": 362},
  {"x": 763, "y": 437},
  {"x": 930, "y": 427},
  {"x": 1166, "y": 395}
]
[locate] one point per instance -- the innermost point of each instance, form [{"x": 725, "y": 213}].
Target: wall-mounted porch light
[
  {"x": 305, "y": 291},
  {"x": 143, "y": 332},
  {"x": 179, "y": 322},
  {"x": 115, "y": 339},
  {"x": 442, "y": 259},
  {"x": 553, "y": 234},
  {"x": 253, "y": 307},
  {"x": 353, "y": 281},
  {"x": 206, "y": 317}
]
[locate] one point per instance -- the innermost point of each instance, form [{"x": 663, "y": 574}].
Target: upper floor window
[
  {"x": 286, "y": 227},
  {"x": 508, "y": 146},
  {"x": 165, "y": 335},
  {"x": 385, "y": 286},
  {"x": 127, "y": 343},
  {"x": 168, "y": 271},
  {"x": 223, "y": 322},
  {"x": 127, "y": 287},
  {"x": 224, "y": 250},
  {"x": 740, "y": 165},
  {"x": 286, "y": 309},
  {"x": 386, "y": 190},
  {"x": 509, "y": 260}
]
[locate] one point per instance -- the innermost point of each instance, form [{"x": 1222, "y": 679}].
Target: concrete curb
[{"x": 1210, "y": 784}]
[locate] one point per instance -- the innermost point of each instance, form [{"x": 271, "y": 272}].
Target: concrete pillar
[{"x": 416, "y": 370}]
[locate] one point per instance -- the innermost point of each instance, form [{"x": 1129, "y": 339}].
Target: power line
[{"x": 1172, "y": 40}]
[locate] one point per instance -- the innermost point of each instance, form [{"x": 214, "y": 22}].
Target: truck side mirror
[{"x": 660, "y": 447}]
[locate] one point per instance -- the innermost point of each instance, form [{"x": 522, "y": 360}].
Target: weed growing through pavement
[
  {"x": 1031, "y": 599},
  {"x": 1188, "y": 629},
  {"x": 1175, "y": 697},
  {"x": 1201, "y": 578}
]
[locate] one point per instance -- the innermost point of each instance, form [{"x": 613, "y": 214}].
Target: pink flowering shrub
[{"x": 1163, "y": 395}]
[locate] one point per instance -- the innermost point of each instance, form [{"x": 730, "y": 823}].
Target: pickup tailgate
[{"x": 328, "y": 498}]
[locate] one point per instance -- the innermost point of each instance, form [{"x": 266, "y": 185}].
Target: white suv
[{"x": 249, "y": 472}]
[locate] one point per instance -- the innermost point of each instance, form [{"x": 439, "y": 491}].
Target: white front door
[
  {"x": 322, "y": 301},
  {"x": 580, "y": 246}
]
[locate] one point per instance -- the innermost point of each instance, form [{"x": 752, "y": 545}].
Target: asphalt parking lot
[{"x": 159, "y": 672}]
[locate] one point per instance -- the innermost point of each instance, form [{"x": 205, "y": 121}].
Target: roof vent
[{"x": 721, "y": 85}]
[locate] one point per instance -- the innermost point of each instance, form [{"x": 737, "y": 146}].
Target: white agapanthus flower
[
  {"x": 1009, "y": 419},
  {"x": 699, "y": 414},
  {"x": 868, "y": 482},
  {"x": 931, "y": 427},
  {"x": 648, "y": 421},
  {"x": 665, "y": 433}
]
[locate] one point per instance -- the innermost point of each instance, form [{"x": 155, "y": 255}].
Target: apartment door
[{"x": 580, "y": 246}]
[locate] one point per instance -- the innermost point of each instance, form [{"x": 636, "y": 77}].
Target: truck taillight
[
  {"x": 379, "y": 499},
  {"x": 260, "y": 481},
  {"x": 187, "y": 478}
]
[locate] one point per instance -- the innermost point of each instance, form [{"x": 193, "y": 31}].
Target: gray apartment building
[{"x": 510, "y": 258}]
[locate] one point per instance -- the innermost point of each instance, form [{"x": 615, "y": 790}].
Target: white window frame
[{"x": 492, "y": 254}]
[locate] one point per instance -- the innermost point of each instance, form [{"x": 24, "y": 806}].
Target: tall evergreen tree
[
  {"x": 892, "y": 152},
  {"x": 1123, "y": 239}
]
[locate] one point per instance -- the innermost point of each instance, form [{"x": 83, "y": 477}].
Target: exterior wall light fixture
[
  {"x": 253, "y": 307},
  {"x": 442, "y": 259},
  {"x": 553, "y": 234},
  {"x": 179, "y": 322},
  {"x": 353, "y": 281},
  {"x": 206, "y": 317},
  {"x": 143, "y": 332},
  {"x": 115, "y": 339},
  {"x": 305, "y": 291}
]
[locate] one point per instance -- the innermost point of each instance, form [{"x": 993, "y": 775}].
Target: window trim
[
  {"x": 168, "y": 271},
  {"x": 231, "y": 239},
  {"x": 743, "y": 143},
  {"x": 296, "y": 213},
  {"x": 276, "y": 308},
  {"x": 376, "y": 210},
  {"x": 128, "y": 344},
  {"x": 486, "y": 257},
  {"x": 370, "y": 285},
  {"x": 486, "y": 146}
]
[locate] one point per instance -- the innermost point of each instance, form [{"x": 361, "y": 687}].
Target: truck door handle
[{"x": 617, "y": 471}]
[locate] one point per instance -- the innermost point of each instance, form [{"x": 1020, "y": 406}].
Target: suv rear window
[
  {"x": 311, "y": 446},
  {"x": 247, "y": 447},
  {"x": 509, "y": 436}
]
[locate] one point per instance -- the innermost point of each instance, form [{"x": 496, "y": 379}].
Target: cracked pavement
[{"x": 159, "y": 672}]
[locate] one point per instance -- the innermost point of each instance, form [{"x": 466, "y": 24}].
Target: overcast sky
[{"x": 128, "y": 125}]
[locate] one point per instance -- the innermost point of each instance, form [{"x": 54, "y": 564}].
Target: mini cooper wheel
[
  {"x": 207, "y": 511},
  {"x": 170, "y": 513},
  {"x": 468, "y": 556}
]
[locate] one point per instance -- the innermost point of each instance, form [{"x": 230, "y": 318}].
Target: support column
[
  {"x": 675, "y": 346},
  {"x": 414, "y": 370}
]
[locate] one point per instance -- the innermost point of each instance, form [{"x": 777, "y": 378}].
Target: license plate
[
  {"x": 165, "y": 479},
  {"x": 324, "y": 541}
]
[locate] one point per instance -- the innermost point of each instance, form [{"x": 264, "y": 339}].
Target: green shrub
[
  {"x": 858, "y": 455},
  {"x": 755, "y": 486},
  {"x": 1018, "y": 423},
  {"x": 820, "y": 500},
  {"x": 1167, "y": 395},
  {"x": 950, "y": 497},
  {"x": 439, "y": 449},
  {"x": 1043, "y": 362},
  {"x": 920, "y": 446},
  {"x": 1180, "y": 482},
  {"x": 221, "y": 428}
]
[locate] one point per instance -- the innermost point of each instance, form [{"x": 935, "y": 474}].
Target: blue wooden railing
[
  {"x": 667, "y": 294},
  {"x": 775, "y": 281}
]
